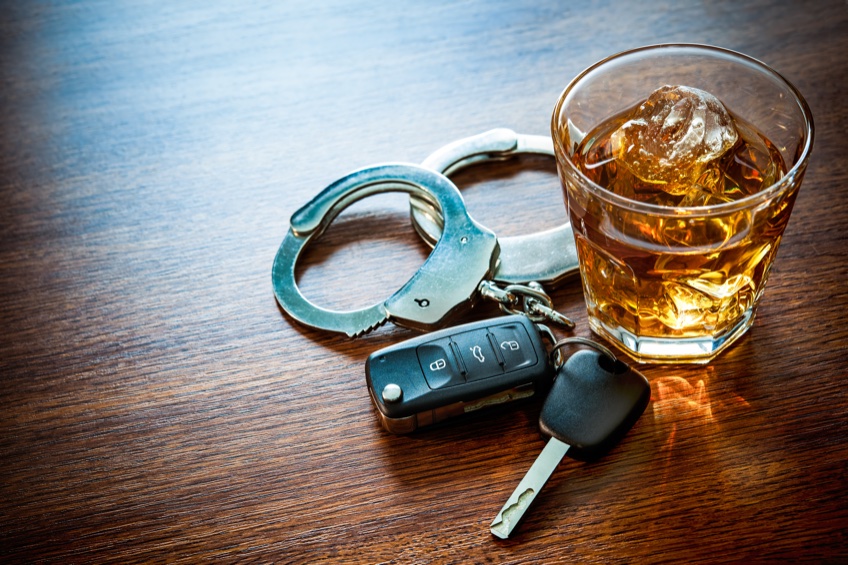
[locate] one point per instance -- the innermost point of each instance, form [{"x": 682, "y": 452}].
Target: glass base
[{"x": 672, "y": 350}]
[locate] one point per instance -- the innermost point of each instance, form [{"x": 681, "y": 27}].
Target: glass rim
[{"x": 725, "y": 207}]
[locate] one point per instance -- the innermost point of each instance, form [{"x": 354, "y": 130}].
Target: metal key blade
[{"x": 526, "y": 491}]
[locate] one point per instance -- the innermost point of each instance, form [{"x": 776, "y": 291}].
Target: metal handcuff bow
[{"x": 468, "y": 260}]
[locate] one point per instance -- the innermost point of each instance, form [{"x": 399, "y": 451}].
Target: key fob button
[
  {"x": 515, "y": 346},
  {"x": 438, "y": 364},
  {"x": 477, "y": 355}
]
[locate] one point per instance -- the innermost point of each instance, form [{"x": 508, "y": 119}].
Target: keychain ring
[
  {"x": 433, "y": 293},
  {"x": 555, "y": 350},
  {"x": 547, "y": 257}
]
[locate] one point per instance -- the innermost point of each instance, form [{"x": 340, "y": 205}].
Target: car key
[
  {"x": 593, "y": 402},
  {"x": 436, "y": 376}
]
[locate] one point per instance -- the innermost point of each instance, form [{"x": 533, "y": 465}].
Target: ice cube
[
  {"x": 674, "y": 136},
  {"x": 719, "y": 287},
  {"x": 699, "y": 195},
  {"x": 684, "y": 308}
]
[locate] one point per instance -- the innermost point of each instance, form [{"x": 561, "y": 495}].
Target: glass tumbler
[{"x": 678, "y": 281}]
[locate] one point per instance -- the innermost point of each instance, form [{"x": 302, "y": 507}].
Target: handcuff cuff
[
  {"x": 545, "y": 257},
  {"x": 468, "y": 260}
]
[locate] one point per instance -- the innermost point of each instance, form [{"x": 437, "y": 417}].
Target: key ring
[
  {"x": 435, "y": 292},
  {"x": 547, "y": 257},
  {"x": 556, "y": 357}
]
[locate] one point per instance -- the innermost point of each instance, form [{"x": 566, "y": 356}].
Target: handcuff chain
[{"x": 530, "y": 300}]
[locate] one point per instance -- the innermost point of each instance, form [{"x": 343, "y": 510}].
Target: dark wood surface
[{"x": 156, "y": 404}]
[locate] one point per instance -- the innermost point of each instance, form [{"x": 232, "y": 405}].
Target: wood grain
[{"x": 157, "y": 405}]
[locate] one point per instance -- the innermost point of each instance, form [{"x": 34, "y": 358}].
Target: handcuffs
[{"x": 468, "y": 260}]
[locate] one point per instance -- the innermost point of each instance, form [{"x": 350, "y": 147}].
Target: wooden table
[{"x": 157, "y": 405}]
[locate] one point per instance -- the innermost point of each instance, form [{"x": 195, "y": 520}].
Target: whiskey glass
[{"x": 678, "y": 283}]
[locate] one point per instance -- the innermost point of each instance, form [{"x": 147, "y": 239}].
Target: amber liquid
[{"x": 654, "y": 278}]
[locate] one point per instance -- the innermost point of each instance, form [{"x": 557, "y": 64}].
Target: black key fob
[
  {"x": 451, "y": 372},
  {"x": 594, "y": 401}
]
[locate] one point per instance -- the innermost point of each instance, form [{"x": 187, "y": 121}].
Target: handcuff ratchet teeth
[
  {"x": 465, "y": 254},
  {"x": 547, "y": 257}
]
